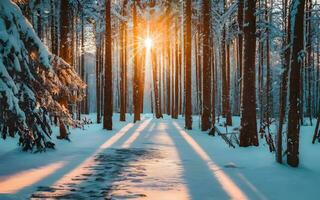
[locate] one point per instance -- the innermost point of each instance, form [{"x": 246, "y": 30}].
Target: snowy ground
[{"x": 155, "y": 159}]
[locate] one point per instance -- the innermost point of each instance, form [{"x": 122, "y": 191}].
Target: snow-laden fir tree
[{"x": 31, "y": 79}]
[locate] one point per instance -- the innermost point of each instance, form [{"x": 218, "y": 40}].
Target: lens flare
[{"x": 148, "y": 43}]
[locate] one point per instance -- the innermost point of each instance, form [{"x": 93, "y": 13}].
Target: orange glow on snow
[
  {"x": 164, "y": 172},
  {"x": 16, "y": 182},
  {"x": 233, "y": 191}
]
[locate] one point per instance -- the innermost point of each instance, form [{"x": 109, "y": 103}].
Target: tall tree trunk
[
  {"x": 268, "y": 112},
  {"x": 177, "y": 69},
  {"x": 228, "y": 107},
  {"x": 53, "y": 26},
  {"x": 213, "y": 85},
  {"x": 206, "y": 71},
  {"x": 82, "y": 66},
  {"x": 309, "y": 61},
  {"x": 284, "y": 81},
  {"x": 180, "y": 73},
  {"x": 98, "y": 93},
  {"x": 248, "y": 130},
  {"x": 297, "y": 17},
  {"x": 198, "y": 72},
  {"x": 136, "y": 73},
  {"x": 123, "y": 49},
  {"x": 167, "y": 60},
  {"x": 240, "y": 44},
  {"x": 157, "y": 105},
  {"x": 108, "y": 108},
  {"x": 64, "y": 54},
  {"x": 39, "y": 19},
  {"x": 142, "y": 77},
  {"x": 188, "y": 40}
]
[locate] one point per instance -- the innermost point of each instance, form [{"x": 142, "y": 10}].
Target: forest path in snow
[
  {"x": 155, "y": 159},
  {"x": 152, "y": 159}
]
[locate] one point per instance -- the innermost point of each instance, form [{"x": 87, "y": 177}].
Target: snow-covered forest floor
[{"x": 155, "y": 159}]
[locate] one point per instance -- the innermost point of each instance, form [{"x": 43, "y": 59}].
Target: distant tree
[
  {"x": 98, "y": 74},
  {"x": 175, "y": 103},
  {"x": 123, "y": 63},
  {"x": 168, "y": 56},
  {"x": 240, "y": 40}
]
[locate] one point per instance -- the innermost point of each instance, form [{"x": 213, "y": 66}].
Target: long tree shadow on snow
[
  {"x": 227, "y": 184},
  {"x": 68, "y": 162},
  {"x": 100, "y": 182}
]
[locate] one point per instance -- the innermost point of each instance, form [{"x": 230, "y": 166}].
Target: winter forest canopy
[{"x": 244, "y": 71}]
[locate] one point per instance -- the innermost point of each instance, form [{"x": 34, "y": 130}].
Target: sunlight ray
[
  {"x": 224, "y": 180},
  {"x": 14, "y": 183},
  {"x": 136, "y": 134}
]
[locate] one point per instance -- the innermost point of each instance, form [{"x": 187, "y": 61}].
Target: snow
[{"x": 155, "y": 159}]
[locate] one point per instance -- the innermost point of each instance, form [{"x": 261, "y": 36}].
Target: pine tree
[
  {"x": 187, "y": 57},
  {"x": 206, "y": 76},
  {"x": 108, "y": 105},
  {"x": 284, "y": 79},
  {"x": 123, "y": 63},
  {"x": 31, "y": 80},
  {"x": 296, "y": 62},
  {"x": 136, "y": 76},
  {"x": 248, "y": 129}
]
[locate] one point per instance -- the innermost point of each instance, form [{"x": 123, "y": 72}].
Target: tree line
[{"x": 255, "y": 59}]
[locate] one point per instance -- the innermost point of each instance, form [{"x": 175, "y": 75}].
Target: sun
[{"x": 148, "y": 43}]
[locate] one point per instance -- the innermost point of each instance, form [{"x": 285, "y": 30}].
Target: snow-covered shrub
[{"x": 31, "y": 81}]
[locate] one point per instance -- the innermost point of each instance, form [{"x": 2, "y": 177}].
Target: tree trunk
[
  {"x": 213, "y": 86},
  {"x": 297, "y": 17},
  {"x": 284, "y": 82},
  {"x": 64, "y": 54},
  {"x": 98, "y": 51},
  {"x": 309, "y": 61},
  {"x": 108, "y": 108},
  {"x": 177, "y": 69},
  {"x": 136, "y": 73},
  {"x": 228, "y": 107},
  {"x": 157, "y": 106},
  {"x": 248, "y": 130},
  {"x": 123, "y": 49},
  {"x": 188, "y": 40},
  {"x": 206, "y": 71},
  {"x": 167, "y": 60},
  {"x": 240, "y": 44}
]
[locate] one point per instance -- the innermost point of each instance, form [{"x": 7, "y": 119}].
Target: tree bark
[
  {"x": 98, "y": 51},
  {"x": 123, "y": 57},
  {"x": 248, "y": 130},
  {"x": 240, "y": 44},
  {"x": 188, "y": 40},
  {"x": 108, "y": 105},
  {"x": 284, "y": 82},
  {"x": 177, "y": 69},
  {"x": 206, "y": 71},
  {"x": 64, "y": 54},
  {"x": 297, "y": 17},
  {"x": 136, "y": 73}
]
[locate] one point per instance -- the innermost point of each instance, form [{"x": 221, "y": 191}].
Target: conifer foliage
[{"x": 31, "y": 78}]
